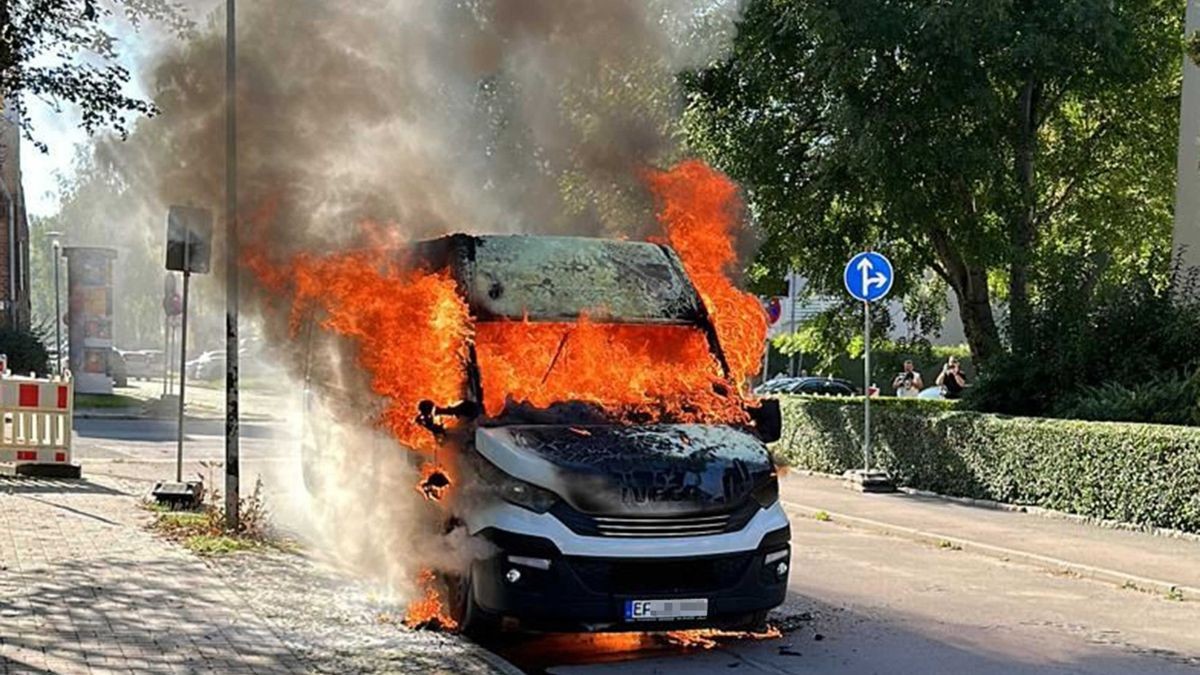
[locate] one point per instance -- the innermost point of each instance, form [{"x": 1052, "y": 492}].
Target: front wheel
[{"x": 473, "y": 621}]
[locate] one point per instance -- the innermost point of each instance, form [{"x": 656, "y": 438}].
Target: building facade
[{"x": 14, "y": 230}]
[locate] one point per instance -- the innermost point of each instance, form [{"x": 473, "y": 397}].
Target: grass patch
[
  {"x": 107, "y": 401},
  {"x": 220, "y": 544},
  {"x": 1175, "y": 594},
  {"x": 949, "y": 545},
  {"x": 822, "y": 516},
  {"x": 205, "y": 532}
]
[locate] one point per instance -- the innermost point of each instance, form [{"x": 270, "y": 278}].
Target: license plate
[{"x": 666, "y": 610}]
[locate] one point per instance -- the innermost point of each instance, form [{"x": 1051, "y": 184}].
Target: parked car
[
  {"x": 117, "y": 369},
  {"x": 932, "y": 394},
  {"x": 208, "y": 366},
  {"x": 775, "y": 385},
  {"x": 143, "y": 364},
  {"x": 825, "y": 386}
]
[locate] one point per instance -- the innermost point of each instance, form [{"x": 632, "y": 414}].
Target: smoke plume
[{"x": 425, "y": 117}]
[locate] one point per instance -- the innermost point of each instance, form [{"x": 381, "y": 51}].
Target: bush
[
  {"x": 1118, "y": 343},
  {"x": 1136, "y": 473},
  {"x": 26, "y": 351},
  {"x": 1163, "y": 400}
]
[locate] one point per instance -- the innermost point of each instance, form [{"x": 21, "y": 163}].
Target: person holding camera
[
  {"x": 951, "y": 379},
  {"x": 908, "y": 382}
]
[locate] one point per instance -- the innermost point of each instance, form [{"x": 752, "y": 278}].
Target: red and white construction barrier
[{"x": 36, "y": 434}]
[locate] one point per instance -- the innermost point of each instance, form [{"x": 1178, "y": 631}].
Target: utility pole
[
  {"x": 792, "y": 319},
  {"x": 55, "y": 254},
  {"x": 231, "y": 272}
]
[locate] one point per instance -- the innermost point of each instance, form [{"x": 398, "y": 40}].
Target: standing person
[
  {"x": 951, "y": 379},
  {"x": 908, "y": 382}
]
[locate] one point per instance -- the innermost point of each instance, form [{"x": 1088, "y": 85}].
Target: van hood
[{"x": 633, "y": 470}]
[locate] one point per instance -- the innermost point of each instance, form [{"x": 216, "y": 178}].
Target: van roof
[{"x": 548, "y": 278}]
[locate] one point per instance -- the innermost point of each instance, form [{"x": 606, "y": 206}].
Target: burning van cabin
[{"x": 587, "y": 427}]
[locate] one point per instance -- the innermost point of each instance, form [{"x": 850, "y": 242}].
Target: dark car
[{"x": 824, "y": 386}]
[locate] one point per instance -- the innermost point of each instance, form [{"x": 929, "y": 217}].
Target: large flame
[
  {"x": 699, "y": 208},
  {"x": 414, "y": 331},
  {"x": 636, "y": 372},
  {"x": 411, "y": 326}
]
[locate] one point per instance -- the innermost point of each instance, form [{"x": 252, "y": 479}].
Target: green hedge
[{"x": 1143, "y": 474}]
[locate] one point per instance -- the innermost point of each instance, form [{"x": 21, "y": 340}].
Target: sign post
[
  {"x": 868, "y": 277},
  {"x": 189, "y": 247}
]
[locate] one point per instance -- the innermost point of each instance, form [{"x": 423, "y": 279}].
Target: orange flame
[
  {"x": 411, "y": 326},
  {"x": 663, "y": 372},
  {"x": 435, "y": 481},
  {"x": 707, "y": 638},
  {"x": 428, "y": 611},
  {"x": 699, "y": 208},
  {"x": 414, "y": 331}
]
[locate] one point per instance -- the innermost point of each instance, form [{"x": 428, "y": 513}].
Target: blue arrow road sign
[{"x": 868, "y": 276}]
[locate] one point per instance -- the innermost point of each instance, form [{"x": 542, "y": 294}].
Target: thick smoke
[
  {"x": 508, "y": 115},
  {"x": 427, "y": 117}
]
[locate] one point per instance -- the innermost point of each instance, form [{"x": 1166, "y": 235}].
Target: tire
[
  {"x": 754, "y": 623},
  {"x": 473, "y": 621}
]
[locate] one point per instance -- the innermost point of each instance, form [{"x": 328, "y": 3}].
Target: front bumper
[{"x": 586, "y": 592}]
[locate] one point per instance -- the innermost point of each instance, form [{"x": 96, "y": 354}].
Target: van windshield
[{"x": 561, "y": 278}]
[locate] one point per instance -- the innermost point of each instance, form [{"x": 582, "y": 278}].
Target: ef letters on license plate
[{"x": 666, "y": 610}]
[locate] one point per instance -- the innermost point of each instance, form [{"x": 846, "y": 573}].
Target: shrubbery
[
  {"x": 1136, "y": 473},
  {"x": 1128, "y": 351},
  {"x": 26, "y": 351}
]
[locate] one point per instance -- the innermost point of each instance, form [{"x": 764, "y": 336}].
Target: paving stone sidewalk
[{"x": 85, "y": 588}]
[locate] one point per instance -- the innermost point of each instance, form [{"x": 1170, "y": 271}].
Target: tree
[
  {"x": 66, "y": 51},
  {"x": 985, "y": 141}
]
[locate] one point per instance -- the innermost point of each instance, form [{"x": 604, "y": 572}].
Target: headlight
[
  {"x": 529, "y": 496},
  {"x": 515, "y": 491},
  {"x": 767, "y": 492}
]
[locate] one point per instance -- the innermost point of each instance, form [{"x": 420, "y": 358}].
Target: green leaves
[
  {"x": 899, "y": 125},
  {"x": 66, "y": 53},
  {"x": 1135, "y": 473}
]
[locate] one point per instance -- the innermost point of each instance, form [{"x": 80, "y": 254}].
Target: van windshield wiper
[{"x": 558, "y": 352}]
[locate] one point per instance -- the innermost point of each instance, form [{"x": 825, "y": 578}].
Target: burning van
[{"x": 597, "y": 443}]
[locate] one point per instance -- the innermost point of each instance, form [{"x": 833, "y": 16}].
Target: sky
[
  {"x": 60, "y": 130},
  {"x": 62, "y": 134}
]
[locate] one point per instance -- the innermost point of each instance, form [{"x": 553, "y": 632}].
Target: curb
[
  {"x": 129, "y": 416},
  {"x": 1003, "y": 553},
  {"x": 1030, "y": 509}
]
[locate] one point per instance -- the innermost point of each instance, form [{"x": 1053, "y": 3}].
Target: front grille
[
  {"x": 681, "y": 526},
  {"x": 661, "y": 576},
  {"x": 657, "y": 525}
]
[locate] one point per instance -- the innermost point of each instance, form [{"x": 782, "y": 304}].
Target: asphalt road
[
  {"x": 146, "y": 449},
  {"x": 858, "y": 602}
]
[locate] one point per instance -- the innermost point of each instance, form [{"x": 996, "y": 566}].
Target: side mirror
[
  {"x": 768, "y": 420},
  {"x": 427, "y": 413}
]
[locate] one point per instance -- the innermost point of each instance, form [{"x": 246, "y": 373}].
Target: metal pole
[
  {"x": 231, "y": 271},
  {"x": 166, "y": 352},
  {"x": 766, "y": 364},
  {"x": 182, "y": 375},
  {"x": 792, "y": 321},
  {"x": 57, "y": 313},
  {"x": 867, "y": 386},
  {"x": 170, "y": 346}
]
